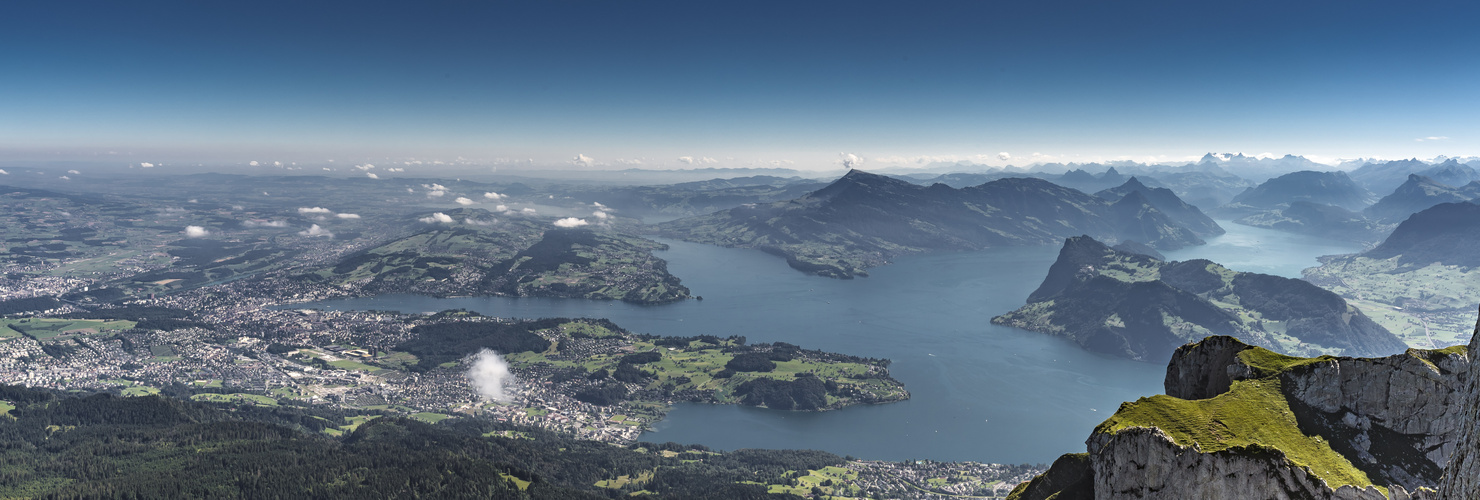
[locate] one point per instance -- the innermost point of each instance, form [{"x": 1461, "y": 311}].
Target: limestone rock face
[
  {"x": 1462, "y": 477},
  {"x": 1390, "y": 412},
  {"x": 1206, "y": 369},
  {"x": 1410, "y": 422},
  {"x": 1397, "y": 417},
  {"x": 1143, "y": 463}
]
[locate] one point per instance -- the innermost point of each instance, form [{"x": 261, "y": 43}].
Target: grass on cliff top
[
  {"x": 1268, "y": 363},
  {"x": 1253, "y": 414}
]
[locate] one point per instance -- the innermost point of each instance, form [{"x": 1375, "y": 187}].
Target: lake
[{"x": 979, "y": 391}]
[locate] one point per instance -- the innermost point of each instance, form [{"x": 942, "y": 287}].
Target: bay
[{"x": 979, "y": 391}]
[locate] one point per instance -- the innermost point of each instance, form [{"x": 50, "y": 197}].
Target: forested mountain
[
  {"x": 1135, "y": 306},
  {"x": 159, "y": 447}
]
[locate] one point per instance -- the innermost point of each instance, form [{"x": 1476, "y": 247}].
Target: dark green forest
[{"x": 57, "y": 445}]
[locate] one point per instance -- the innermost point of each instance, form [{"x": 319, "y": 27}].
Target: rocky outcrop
[
  {"x": 1462, "y": 479},
  {"x": 1240, "y": 421},
  {"x": 1206, "y": 369},
  {"x": 1069, "y": 478},
  {"x": 1398, "y": 418},
  {"x": 1144, "y": 463}
]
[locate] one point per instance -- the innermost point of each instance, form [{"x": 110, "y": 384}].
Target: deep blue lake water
[{"x": 979, "y": 391}]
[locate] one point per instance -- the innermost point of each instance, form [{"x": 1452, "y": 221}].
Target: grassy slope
[{"x": 1252, "y": 415}]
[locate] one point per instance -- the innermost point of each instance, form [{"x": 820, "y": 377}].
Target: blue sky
[{"x": 791, "y": 83}]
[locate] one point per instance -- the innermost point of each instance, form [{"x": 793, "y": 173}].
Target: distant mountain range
[
  {"x": 1203, "y": 185},
  {"x": 1383, "y": 177},
  {"x": 864, "y": 220},
  {"x": 1418, "y": 194},
  {"x": 1261, "y": 169},
  {"x": 1138, "y": 307}
]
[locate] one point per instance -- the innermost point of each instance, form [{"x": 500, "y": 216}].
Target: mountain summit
[{"x": 1168, "y": 203}]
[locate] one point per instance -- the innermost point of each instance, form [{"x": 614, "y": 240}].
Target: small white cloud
[
  {"x": 489, "y": 375},
  {"x": 348, "y": 216},
  {"x": 371, "y": 175},
  {"x": 434, "y": 187},
  {"x": 583, "y": 161},
  {"x": 1432, "y": 138},
  {"x": 850, "y": 160},
  {"x": 475, "y": 222},
  {"x": 252, "y": 163},
  {"x": 395, "y": 169},
  {"x": 600, "y": 215},
  {"x": 464, "y": 201},
  {"x": 527, "y": 211},
  {"x": 327, "y": 169},
  {"x": 502, "y": 208},
  {"x": 73, "y": 172},
  {"x": 1004, "y": 156},
  {"x": 277, "y": 164},
  {"x": 195, "y": 232},
  {"x": 434, "y": 194},
  {"x": 313, "y": 210},
  {"x": 366, "y": 166},
  {"x": 569, "y": 222},
  {"x": 65, "y": 178},
  {"x": 436, "y": 218},
  {"x": 193, "y": 200},
  {"x": 316, "y": 231},
  {"x": 146, "y": 165},
  {"x": 3, "y": 172},
  {"x": 493, "y": 196},
  {"x": 270, "y": 223}
]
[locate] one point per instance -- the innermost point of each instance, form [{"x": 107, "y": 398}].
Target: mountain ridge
[{"x": 863, "y": 220}]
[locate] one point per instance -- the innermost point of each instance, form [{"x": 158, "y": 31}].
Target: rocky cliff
[
  {"x": 1462, "y": 480},
  {"x": 1239, "y": 421}
]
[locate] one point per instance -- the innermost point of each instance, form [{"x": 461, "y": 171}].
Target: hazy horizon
[{"x": 678, "y": 85}]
